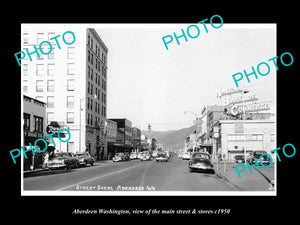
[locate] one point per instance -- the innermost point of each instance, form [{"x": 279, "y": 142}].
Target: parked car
[
  {"x": 162, "y": 156},
  {"x": 200, "y": 161},
  {"x": 186, "y": 155},
  {"x": 121, "y": 156},
  {"x": 127, "y": 156},
  {"x": 118, "y": 157},
  {"x": 139, "y": 155},
  {"x": 256, "y": 154},
  {"x": 155, "y": 153},
  {"x": 145, "y": 157},
  {"x": 180, "y": 154},
  {"x": 63, "y": 160},
  {"x": 241, "y": 158},
  {"x": 85, "y": 158},
  {"x": 133, "y": 155}
]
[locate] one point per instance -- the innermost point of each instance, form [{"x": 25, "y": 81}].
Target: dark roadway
[{"x": 132, "y": 175}]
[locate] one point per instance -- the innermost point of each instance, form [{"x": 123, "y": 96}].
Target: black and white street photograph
[{"x": 149, "y": 109}]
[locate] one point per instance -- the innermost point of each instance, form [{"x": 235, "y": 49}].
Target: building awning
[{"x": 206, "y": 145}]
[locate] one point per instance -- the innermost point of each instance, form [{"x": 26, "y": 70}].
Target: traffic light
[{"x": 149, "y": 127}]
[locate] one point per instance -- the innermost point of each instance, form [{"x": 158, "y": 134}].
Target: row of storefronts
[
  {"x": 116, "y": 135},
  {"x": 122, "y": 137},
  {"x": 236, "y": 126}
]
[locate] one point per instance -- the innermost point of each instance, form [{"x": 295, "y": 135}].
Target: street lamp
[
  {"x": 197, "y": 125},
  {"x": 244, "y": 92},
  {"x": 197, "y": 119},
  {"x": 80, "y": 109},
  {"x": 192, "y": 113}
]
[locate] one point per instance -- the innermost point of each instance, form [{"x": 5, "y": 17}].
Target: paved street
[{"x": 131, "y": 175}]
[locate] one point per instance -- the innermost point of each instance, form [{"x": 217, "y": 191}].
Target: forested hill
[{"x": 173, "y": 139}]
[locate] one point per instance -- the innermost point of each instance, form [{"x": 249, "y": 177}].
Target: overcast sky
[{"x": 149, "y": 84}]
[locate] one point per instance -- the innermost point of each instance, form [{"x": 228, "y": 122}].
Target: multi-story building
[
  {"x": 145, "y": 143},
  {"x": 111, "y": 134},
  {"x": 205, "y": 137},
  {"x": 124, "y": 134},
  {"x": 72, "y": 80},
  {"x": 136, "y": 139}
]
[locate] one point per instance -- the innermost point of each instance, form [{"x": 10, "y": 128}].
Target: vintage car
[
  {"x": 121, "y": 156},
  {"x": 62, "y": 160},
  {"x": 265, "y": 160},
  {"x": 84, "y": 159},
  {"x": 162, "y": 156},
  {"x": 200, "y": 161},
  {"x": 180, "y": 153},
  {"x": 241, "y": 158},
  {"x": 133, "y": 155},
  {"x": 145, "y": 157},
  {"x": 127, "y": 156},
  {"x": 154, "y": 153},
  {"x": 139, "y": 155},
  {"x": 186, "y": 155}
]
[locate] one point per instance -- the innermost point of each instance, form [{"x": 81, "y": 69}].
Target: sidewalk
[
  {"x": 45, "y": 171},
  {"x": 257, "y": 181}
]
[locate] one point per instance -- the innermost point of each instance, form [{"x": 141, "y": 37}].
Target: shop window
[
  {"x": 38, "y": 123},
  {"x": 26, "y": 118}
]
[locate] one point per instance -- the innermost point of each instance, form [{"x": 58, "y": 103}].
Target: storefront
[
  {"x": 34, "y": 113},
  {"x": 252, "y": 135}
]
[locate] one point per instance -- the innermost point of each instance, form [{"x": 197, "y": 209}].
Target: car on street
[
  {"x": 162, "y": 156},
  {"x": 256, "y": 155},
  {"x": 63, "y": 160},
  {"x": 145, "y": 157},
  {"x": 84, "y": 159},
  {"x": 186, "y": 155},
  {"x": 139, "y": 155},
  {"x": 127, "y": 156},
  {"x": 239, "y": 158},
  {"x": 133, "y": 155},
  {"x": 180, "y": 154},
  {"x": 121, "y": 156},
  {"x": 154, "y": 154},
  {"x": 201, "y": 162}
]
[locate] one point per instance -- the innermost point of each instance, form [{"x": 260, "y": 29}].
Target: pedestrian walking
[{"x": 46, "y": 159}]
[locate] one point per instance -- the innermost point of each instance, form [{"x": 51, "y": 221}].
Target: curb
[
  {"x": 46, "y": 171},
  {"x": 232, "y": 185}
]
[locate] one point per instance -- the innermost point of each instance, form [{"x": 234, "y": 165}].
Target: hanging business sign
[
  {"x": 238, "y": 101},
  {"x": 235, "y": 109}
]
